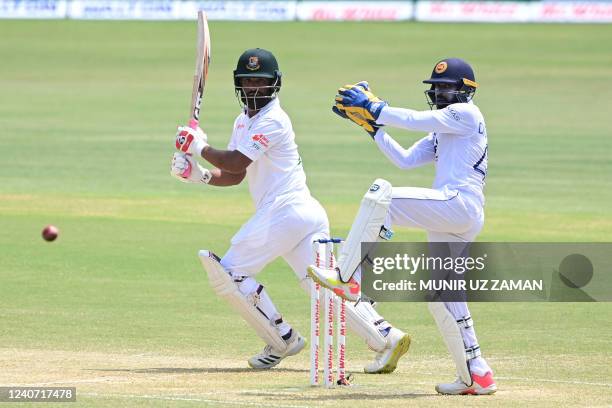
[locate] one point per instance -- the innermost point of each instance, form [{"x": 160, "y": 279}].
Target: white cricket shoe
[
  {"x": 269, "y": 357},
  {"x": 330, "y": 279},
  {"x": 481, "y": 385},
  {"x": 385, "y": 361}
]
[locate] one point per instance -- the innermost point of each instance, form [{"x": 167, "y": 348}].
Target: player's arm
[
  {"x": 186, "y": 169},
  {"x": 365, "y": 108},
  {"x": 223, "y": 178},
  {"x": 448, "y": 120},
  {"x": 195, "y": 142},
  {"x": 420, "y": 153},
  {"x": 230, "y": 161}
]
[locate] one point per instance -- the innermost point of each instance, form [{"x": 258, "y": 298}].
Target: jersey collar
[{"x": 271, "y": 105}]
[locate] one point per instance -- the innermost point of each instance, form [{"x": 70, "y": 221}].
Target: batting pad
[
  {"x": 452, "y": 337},
  {"x": 223, "y": 284},
  {"x": 362, "y": 318},
  {"x": 366, "y": 227}
]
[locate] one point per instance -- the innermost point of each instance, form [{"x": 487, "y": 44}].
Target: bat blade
[{"x": 203, "y": 55}]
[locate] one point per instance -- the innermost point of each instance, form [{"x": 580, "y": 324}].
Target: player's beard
[
  {"x": 441, "y": 99},
  {"x": 257, "y": 100}
]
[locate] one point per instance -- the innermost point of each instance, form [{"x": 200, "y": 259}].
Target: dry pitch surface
[{"x": 158, "y": 380}]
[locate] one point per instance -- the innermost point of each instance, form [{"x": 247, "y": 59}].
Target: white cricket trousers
[
  {"x": 447, "y": 216},
  {"x": 287, "y": 231}
]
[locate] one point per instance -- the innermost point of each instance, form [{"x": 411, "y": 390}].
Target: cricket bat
[{"x": 201, "y": 69}]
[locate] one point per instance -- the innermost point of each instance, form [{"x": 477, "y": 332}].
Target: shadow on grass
[
  {"x": 208, "y": 370},
  {"x": 374, "y": 396}
]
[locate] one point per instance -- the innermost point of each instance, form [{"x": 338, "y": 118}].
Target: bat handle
[{"x": 193, "y": 123}]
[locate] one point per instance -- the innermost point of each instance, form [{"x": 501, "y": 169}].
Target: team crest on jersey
[
  {"x": 455, "y": 114},
  {"x": 441, "y": 67},
  {"x": 253, "y": 64},
  {"x": 374, "y": 187}
]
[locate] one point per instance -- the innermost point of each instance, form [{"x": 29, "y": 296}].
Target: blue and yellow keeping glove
[
  {"x": 369, "y": 126},
  {"x": 359, "y": 100},
  {"x": 358, "y": 104}
]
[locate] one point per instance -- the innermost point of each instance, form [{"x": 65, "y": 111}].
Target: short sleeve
[
  {"x": 233, "y": 142},
  {"x": 260, "y": 139}
]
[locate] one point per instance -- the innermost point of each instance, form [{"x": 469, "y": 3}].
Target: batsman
[
  {"x": 450, "y": 212},
  {"x": 287, "y": 218}
]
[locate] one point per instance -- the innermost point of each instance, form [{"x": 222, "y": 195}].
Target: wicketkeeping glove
[
  {"x": 369, "y": 126},
  {"x": 358, "y": 100},
  {"x": 190, "y": 140},
  {"x": 187, "y": 170}
]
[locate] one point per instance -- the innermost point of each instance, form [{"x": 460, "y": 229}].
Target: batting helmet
[
  {"x": 257, "y": 63},
  {"x": 451, "y": 71}
]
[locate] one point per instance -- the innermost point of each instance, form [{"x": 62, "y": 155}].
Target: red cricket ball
[{"x": 50, "y": 233}]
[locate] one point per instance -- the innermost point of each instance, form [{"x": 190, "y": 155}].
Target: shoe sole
[
  {"x": 315, "y": 278},
  {"x": 299, "y": 347},
  {"x": 263, "y": 368},
  {"x": 483, "y": 391},
  {"x": 400, "y": 349}
]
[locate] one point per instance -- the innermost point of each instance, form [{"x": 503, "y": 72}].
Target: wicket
[{"x": 332, "y": 306}]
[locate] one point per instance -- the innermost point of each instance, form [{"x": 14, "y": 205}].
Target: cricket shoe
[
  {"x": 269, "y": 357},
  {"x": 481, "y": 385},
  {"x": 385, "y": 361},
  {"x": 330, "y": 279}
]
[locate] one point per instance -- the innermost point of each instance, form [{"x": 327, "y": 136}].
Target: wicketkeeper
[
  {"x": 450, "y": 211},
  {"x": 287, "y": 220}
]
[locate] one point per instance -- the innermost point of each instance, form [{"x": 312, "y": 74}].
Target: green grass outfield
[{"x": 119, "y": 307}]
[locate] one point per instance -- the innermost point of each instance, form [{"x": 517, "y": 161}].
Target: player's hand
[
  {"x": 357, "y": 99},
  {"x": 190, "y": 140},
  {"x": 187, "y": 170},
  {"x": 368, "y": 125}
]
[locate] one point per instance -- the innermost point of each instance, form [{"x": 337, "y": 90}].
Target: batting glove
[
  {"x": 187, "y": 170},
  {"x": 359, "y": 100},
  {"x": 190, "y": 140}
]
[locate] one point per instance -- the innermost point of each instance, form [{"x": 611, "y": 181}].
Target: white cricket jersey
[
  {"x": 276, "y": 173},
  {"x": 457, "y": 142}
]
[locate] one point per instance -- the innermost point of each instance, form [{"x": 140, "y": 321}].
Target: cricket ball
[{"x": 50, "y": 233}]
